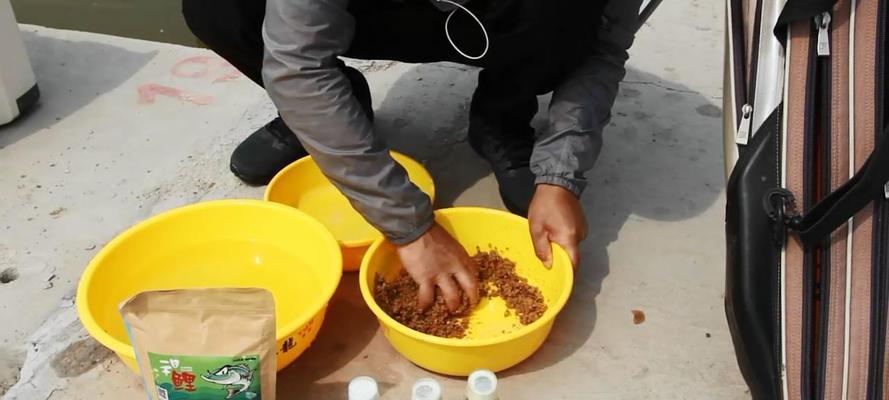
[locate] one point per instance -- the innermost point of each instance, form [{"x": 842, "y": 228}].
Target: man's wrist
[
  {"x": 564, "y": 183},
  {"x": 415, "y": 234}
]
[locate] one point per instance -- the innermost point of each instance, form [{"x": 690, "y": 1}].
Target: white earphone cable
[{"x": 448, "y": 32}]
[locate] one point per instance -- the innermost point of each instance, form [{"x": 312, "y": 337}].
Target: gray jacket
[{"x": 303, "y": 39}]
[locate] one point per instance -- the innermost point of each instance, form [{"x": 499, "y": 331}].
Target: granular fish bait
[
  {"x": 399, "y": 300},
  {"x": 498, "y": 275},
  {"x": 497, "y": 278}
]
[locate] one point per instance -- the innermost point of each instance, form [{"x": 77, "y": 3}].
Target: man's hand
[
  {"x": 437, "y": 260},
  {"x": 555, "y": 215}
]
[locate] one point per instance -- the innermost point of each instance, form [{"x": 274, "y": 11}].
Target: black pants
[{"x": 534, "y": 44}]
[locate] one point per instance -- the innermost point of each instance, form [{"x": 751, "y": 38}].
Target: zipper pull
[
  {"x": 886, "y": 190},
  {"x": 822, "y": 21},
  {"x": 743, "y": 134}
]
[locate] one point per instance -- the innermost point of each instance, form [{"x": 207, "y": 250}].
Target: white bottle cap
[
  {"x": 426, "y": 389},
  {"x": 482, "y": 385},
  {"x": 363, "y": 388}
]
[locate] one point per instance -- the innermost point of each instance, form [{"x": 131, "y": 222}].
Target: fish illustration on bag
[{"x": 234, "y": 378}]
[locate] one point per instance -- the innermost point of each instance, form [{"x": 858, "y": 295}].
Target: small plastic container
[
  {"x": 481, "y": 385},
  {"x": 426, "y": 389},
  {"x": 363, "y": 388}
]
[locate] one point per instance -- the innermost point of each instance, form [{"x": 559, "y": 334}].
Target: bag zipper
[
  {"x": 744, "y": 90},
  {"x": 822, "y": 22},
  {"x": 881, "y": 225},
  {"x": 821, "y": 265},
  {"x": 825, "y": 264},
  {"x": 780, "y": 204},
  {"x": 881, "y": 287},
  {"x": 816, "y": 109},
  {"x": 742, "y": 136},
  {"x": 739, "y": 56}
]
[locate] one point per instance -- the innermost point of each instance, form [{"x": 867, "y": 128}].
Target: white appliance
[{"x": 18, "y": 87}]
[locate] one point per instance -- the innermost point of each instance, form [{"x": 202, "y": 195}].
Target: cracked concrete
[{"x": 93, "y": 159}]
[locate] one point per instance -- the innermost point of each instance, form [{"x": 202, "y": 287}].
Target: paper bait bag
[{"x": 204, "y": 344}]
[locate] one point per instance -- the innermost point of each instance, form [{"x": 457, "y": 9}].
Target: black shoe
[
  {"x": 265, "y": 152},
  {"x": 506, "y": 143},
  {"x": 516, "y": 189},
  {"x": 509, "y": 157},
  {"x": 274, "y": 146}
]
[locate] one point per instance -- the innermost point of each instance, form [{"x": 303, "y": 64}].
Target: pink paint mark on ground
[
  {"x": 232, "y": 74},
  {"x": 148, "y": 92},
  {"x": 194, "y": 67},
  {"x": 229, "y": 76}
]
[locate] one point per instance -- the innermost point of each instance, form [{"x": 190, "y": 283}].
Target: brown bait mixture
[{"x": 497, "y": 278}]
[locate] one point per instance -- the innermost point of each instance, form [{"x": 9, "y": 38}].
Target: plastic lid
[
  {"x": 426, "y": 389},
  {"x": 482, "y": 385},
  {"x": 363, "y": 388}
]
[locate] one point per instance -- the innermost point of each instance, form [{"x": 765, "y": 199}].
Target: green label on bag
[{"x": 206, "y": 377}]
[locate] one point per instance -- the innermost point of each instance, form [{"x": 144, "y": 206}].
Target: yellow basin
[
  {"x": 302, "y": 185},
  {"x": 495, "y": 342},
  {"x": 228, "y": 243}
]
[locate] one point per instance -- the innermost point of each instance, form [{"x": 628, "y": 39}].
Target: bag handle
[{"x": 868, "y": 184}]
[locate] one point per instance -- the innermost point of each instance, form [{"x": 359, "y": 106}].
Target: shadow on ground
[
  {"x": 67, "y": 89},
  {"x": 348, "y": 327},
  {"x": 426, "y": 116},
  {"x": 662, "y": 161}
]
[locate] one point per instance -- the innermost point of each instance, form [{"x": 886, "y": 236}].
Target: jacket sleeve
[
  {"x": 581, "y": 104},
  {"x": 303, "y": 39}
]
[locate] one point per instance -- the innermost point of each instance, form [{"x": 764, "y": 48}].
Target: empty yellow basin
[
  {"x": 302, "y": 185},
  {"x": 228, "y": 243},
  {"x": 494, "y": 341}
]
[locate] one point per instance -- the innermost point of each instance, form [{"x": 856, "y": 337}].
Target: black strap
[
  {"x": 647, "y": 11},
  {"x": 799, "y": 10},
  {"x": 866, "y": 186}
]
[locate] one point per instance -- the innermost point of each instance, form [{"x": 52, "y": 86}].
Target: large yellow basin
[
  {"x": 486, "y": 346},
  {"x": 228, "y": 243},
  {"x": 303, "y": 186}
]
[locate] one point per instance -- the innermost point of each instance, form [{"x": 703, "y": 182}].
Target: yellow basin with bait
[
  {"x": 494, "y": 341},
  {"x": 302, "y": 185},
  {"x": 227, "y": 243}
]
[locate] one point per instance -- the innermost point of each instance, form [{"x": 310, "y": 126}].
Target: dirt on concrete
[
  {"x": 11, "y": 361},
  {"x": 79, "y": 358},
  {"x": 8, "y": 275}
]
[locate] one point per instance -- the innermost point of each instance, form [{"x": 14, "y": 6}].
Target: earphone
[{"x": 448, "y": 32}]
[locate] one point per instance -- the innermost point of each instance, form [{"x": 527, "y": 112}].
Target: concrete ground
[{"x": 127, "y": 129}]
